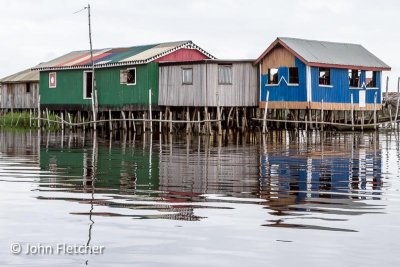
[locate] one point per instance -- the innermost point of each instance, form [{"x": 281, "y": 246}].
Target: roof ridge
[{"x": 319, "y": 41}]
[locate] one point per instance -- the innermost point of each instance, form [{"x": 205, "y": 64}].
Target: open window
[
  {"x": 28, "y": 88},
  {"x": 354, "y": 78},
  {"x": 187, "y": 75},
  {"x": 324, "y": 76},
  {"x": 273, "y": 76},
  {"x": 224, "y": 74},
  {"x": 87, "y": 84},
  {"x": 370, "y": 79},
  {"x": 128, "y": 76},
  {"x": 293, "y": 75}
]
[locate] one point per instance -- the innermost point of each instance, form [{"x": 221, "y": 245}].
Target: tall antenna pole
[{"x": 94, "y": 91}]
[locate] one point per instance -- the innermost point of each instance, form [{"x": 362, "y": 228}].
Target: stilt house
[
  {"x": 307, "y": 74},
  {"x": 123, "y": 76},
  {"x": 19, "y": 91},
  {"x": 208, "y": 83}
]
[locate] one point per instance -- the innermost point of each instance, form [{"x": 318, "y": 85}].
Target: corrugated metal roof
[
  {"x": 22, "y": 76},
  {"x": 330, "y": 53},
  {"x": 117, "y": 56}
]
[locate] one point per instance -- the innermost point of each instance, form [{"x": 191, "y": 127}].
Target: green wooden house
[{"x": 123, "y": 76}]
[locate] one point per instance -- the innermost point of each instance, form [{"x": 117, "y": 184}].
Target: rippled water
[{"x": 287, "y": 199}]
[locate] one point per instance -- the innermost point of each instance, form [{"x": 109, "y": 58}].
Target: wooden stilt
[
  {"x": 352, "y": 112},
  {"x": 322, "y": 115},
  {"x": 237, "y": 118},
  {"x": 265, "y": 129},
  {"x": 375, "y": 97},
  {"x": 30, "y": 118},
  {"x": 129, "y": 121},
  {"x": 133, "y": 123},
  {"x": 219, "y": 121},
  {"x": 160, "y": 123},
  {"x": 48, "y": 117},
  {"x": 69, "y": 120},
  {"x": 62, "y": 120},
  {"x": 150, "y": 112},
  {"x": 198, "y": 124},
  {"x": 188, "y": 120},
  {"x": 170, "y": 122},
  {"x": 110, "y": 126},
  {"x": 124, "y": 126}
]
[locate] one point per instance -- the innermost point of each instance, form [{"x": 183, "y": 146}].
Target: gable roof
[
  {"x": 110, "y": 57},
  {"x": 329, "y": 54},
  {"x": 22, "y": 76}
]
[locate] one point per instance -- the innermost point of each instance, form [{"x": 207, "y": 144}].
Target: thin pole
[
  {"x": 150, "y": 114},
  {"x": 375, "y": 97},
  {"x": 352, "y": 112},
  {"x": 94, "y": 93},
  {"x": 265, "y": 114}
]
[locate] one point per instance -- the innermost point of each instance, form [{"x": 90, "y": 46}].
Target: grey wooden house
[
  {"x": 208, "y": 83},
  {"x": 19, "y": 91}
]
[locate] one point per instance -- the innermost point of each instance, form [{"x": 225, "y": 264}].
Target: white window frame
[
  {"x": 225, "y": 66},
  {"x": 128, "y": 69},
  {"x": 183, "y": 75},
  {"x": 84, "y": 83},
  {"x": 55, "y": 80}
]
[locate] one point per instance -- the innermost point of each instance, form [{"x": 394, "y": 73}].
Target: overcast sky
[{"x": 40, "y": 30}]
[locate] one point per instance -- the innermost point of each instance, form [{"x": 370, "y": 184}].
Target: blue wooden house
[{"x": 307, "y": 74}]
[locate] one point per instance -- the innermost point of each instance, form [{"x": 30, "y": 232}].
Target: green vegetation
[{"x": 23, "y": 120}]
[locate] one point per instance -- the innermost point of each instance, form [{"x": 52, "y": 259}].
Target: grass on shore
[{"x": 21, "y": 119}]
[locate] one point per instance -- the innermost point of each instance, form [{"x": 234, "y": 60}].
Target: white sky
[{"x": 40, "y": 30}]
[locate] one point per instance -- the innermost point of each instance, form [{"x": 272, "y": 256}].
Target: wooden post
[
  {"x": 170, "y": 121},
  {"x": 188, "y": 120},
  {"x": 94, "y": 112},
  {"x": 387, "y": 87},
  {"x": 219, "y": 121},
  {"x": 265, "y": 129},
  {"x": 306, "y": 120},
  {"x": 124, "y": 127},
  {"x": 160, "y": 124},
  {"x": 322, "y": 114},
  {"x": 150, "y": 114},
  {"x": 48, "y": 117},
  {"x": 398, "y": 100},
  {"x": 310, "y": 119},
  {"x": 133, "y": 123},
  {"x": 69, "y": 120},
  {"x": 62, "y": 120},
  {"x": 198, "y": 124},
  {"x": 237, "y": 118},
  {"x": 129, "y": 121},
  {"x": 375, "y": 97},
  {"x": 110, "y": 120},
  {"x": 352, "y": 112},
  {"x": 30, "y": 118},
  {"x": 38, "y": 111}
]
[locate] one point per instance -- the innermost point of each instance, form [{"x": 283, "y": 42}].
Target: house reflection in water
[{"x": 330, "y": 177}]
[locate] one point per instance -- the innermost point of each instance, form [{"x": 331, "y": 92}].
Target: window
[
  {"x": 272, "y": 76},
  {"x": 225, "y": 74},
  {"x": 354, "y": 78},
  {"x": 370, "y": 79},
  {"x": 28, "y": 88},
  {"x": 293, "y": 75},
  {"x": 324, "y": 76},
  {"x": 52, "y": 80},
  {"x": 187, "y": 76},
  {"x": 128, "y": 76},
  {"x": 131, "y": 79},
  {"x": 87, "y": 84}
]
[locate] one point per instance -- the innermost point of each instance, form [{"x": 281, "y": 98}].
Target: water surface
[{"x": 281, "y": 200}]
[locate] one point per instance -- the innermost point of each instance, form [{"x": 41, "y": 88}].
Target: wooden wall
[
  {"x": 203, "y": 92},
  {"x": 277, "y": 57},
  {"x": 14, "y": 96}
]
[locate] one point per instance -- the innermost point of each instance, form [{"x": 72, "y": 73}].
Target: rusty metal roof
[
  {"x": 117, "y": 56},
  {"x": 22, "y": 76}
]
